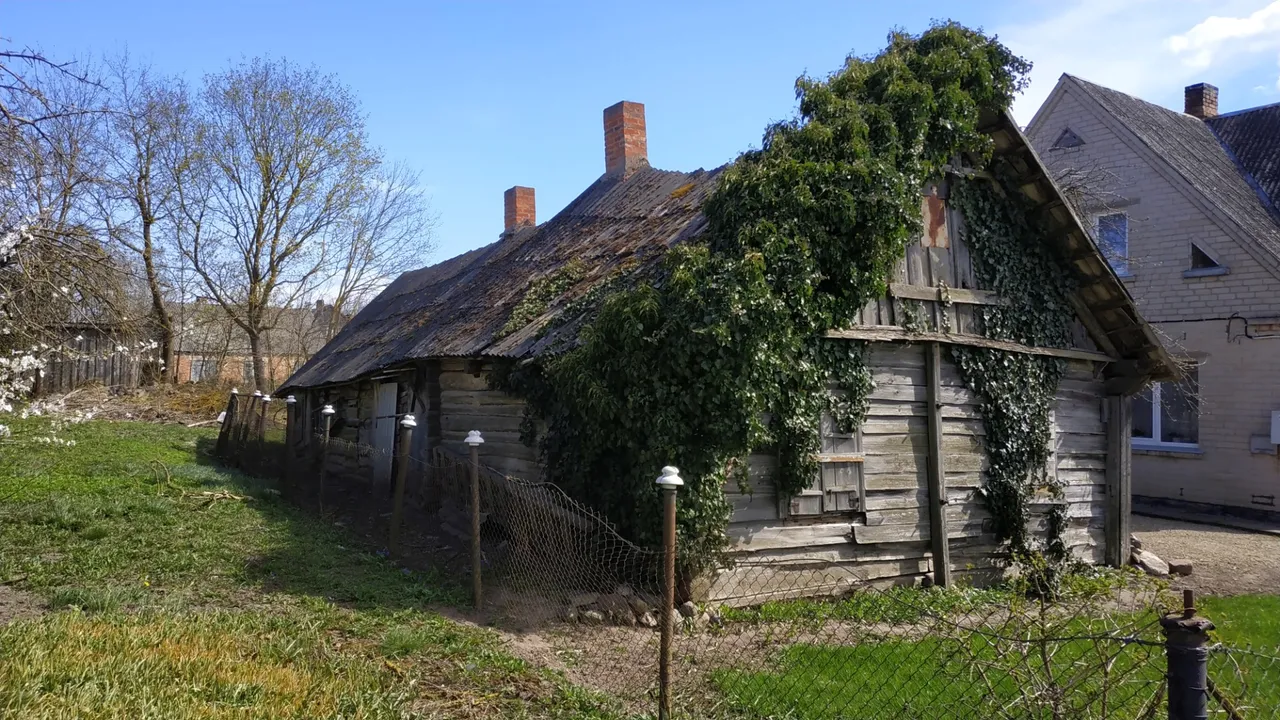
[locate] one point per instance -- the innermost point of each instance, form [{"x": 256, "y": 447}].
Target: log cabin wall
[
  {"x": 872, "y": 522},
  {"x": 783, "y": 548},
  {"x": 467, "y": 403}
]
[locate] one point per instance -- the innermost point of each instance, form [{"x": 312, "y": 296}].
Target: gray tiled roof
[
  {"x": 1253, "y": 139},
  {"x": 1189, "y": 146},
  {"x": 457, "y": 307}
]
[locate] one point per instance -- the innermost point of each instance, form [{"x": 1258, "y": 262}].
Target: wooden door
[{"x": 384, "y": 430}]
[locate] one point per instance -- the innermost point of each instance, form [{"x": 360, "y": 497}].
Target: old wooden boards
[
  {"x": 936, "y": 471},
  {"x": 1119, "y": 480}
]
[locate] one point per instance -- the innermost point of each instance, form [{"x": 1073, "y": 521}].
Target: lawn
[{"x": 176, "y": 589}]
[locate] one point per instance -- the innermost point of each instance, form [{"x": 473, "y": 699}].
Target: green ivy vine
[
  {"x": 539, "y": 295},
  {"x": 721, "y": 350},
  {"x": 1017, "y": 389}
]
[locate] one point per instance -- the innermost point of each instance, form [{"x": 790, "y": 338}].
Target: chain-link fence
[{"x": 809, "y": 638}]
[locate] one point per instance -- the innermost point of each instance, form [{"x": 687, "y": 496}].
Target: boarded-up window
[{"x": 839, "y": 486}]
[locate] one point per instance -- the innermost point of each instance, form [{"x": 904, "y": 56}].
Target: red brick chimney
[
  {"x": 518, "y": 209},
  {"x": 625, "y": 147},
  {"x": 1201, "y": 101}
]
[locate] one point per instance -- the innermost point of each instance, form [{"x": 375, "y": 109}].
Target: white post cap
[
  {"x": 670, "y": 478},
  {"x": 257, "y": 393},
  {"x": 266, "y": 398},
  {"x": 409, "y": 421},
  {"x": 327, "y": 410},
  {"x": 473, "y": 438},
  {"x": 235, "y": 391},
  {"x": 291, "y": 399}
]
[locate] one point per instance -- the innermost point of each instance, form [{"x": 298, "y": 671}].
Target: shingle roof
[
  {"x": 1189, "y": 146},
  {"x": 456, "y": 308},
  {"x": 1253, "y": 139}
]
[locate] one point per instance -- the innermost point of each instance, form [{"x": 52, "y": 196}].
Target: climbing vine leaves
[
  {"x": 1017, "y": 390},
  {"x": 720, "y": 351}
]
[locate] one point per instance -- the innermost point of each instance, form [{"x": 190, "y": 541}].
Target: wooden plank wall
[
  {"x": 467, "y": 403},
  {"x": 91, "y": 359},
  {"x": 891, "y": 540},
  {"x": 941, "y": 258}
]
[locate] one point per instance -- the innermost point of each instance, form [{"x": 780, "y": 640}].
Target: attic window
[
  {"x": 1067, "y": 139},
  {"x": 1203, "y": 264}
]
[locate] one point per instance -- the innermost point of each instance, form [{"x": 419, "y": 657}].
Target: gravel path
[{"x": 1226, "y": 561}]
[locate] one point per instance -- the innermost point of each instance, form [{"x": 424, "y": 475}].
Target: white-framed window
[
  {"x": 1167, "y": 414},
  {"x": 1112, "y": 231}
]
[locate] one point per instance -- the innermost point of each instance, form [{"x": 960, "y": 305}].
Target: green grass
[{"x": 177, "y": 589}]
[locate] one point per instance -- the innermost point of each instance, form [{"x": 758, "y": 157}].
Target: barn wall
[
  {"x": 888, "y": 540},
  {"x": 467, "y": 403}
]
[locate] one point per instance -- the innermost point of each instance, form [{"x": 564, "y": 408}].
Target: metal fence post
[
  {"x": 475, "y": 441},
  {"x": 327, "y": 414},
  {"x": 1187, "y": 654},
  {"x": 407, "y": 424},
  {"x": 669, "y": 481}
]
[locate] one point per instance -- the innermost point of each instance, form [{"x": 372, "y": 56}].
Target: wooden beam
[
  {"x": 1119, "y": 504},
  {"x": 937, "y": 294},
  {"x": 937, "y": 470},
  {"x": 887, "y": 333},
  {"x": 1091, "y": 324}
]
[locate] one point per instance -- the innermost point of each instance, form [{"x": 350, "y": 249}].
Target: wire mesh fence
[{"x": 806, "y": 639}]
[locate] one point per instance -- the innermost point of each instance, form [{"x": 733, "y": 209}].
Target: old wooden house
[{"x": 879, "y": 506}]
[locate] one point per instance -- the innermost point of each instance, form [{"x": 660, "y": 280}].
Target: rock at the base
[
  {"x": 624, "y": 590},
  {"x": 592, "y": 617},
  {"x": 688, "y": 609},
  {"x": 638, "y": 605},
  {"x": 569, "y": 614},
  {"x": 614, "y": 606},
  {"x": 647, "y": 620},
  {"x": 1180, "y": 567},
  {"x": 1134, "y": 542},
  {"x": 1150, "y": 563}
]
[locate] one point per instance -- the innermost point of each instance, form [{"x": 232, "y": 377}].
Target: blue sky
[{"x": 480, "y": 96}]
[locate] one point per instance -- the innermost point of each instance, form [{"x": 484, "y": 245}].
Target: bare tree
[
  {"x": 277, "y": 157},
  {"x": 134, "y": 194},
  {"x": 388, "y": 230}
]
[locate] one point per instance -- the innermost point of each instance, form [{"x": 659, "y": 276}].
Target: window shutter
[{"x": 839, "y": 486}]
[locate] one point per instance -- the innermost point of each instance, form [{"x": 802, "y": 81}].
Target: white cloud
[
  {"x": 1217, "y": 38},
  {"x": 1148, "y": 48}
]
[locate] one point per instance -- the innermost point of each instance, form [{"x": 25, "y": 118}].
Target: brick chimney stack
[
  {"x": 625, "y": 147},
  {"x": 518, "y": 209},
  {"x": 1201, "y": 101}
]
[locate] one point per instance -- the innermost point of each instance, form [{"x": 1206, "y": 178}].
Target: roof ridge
[{"x": 1243, "y": 111}]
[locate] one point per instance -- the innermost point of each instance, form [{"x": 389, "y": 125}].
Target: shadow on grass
[{"x": 308, "y": 554}]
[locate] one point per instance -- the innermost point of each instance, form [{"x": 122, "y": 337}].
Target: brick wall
[{"x": 1238, "y": 380}]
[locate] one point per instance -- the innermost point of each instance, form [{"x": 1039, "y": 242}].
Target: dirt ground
[
  {"x": 1225, "y": 561},
  {"x": 16, "y": 605}
]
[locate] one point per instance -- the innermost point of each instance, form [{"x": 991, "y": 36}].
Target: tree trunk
[
  {"x": 259, "y": 367},
  {"x": 164, "y": 322}
]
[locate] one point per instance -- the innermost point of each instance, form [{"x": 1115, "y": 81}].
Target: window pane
[
  {"x": 1113, "y": 239},
  {"x": 1180, "y": 410},
  {"x": 1141, "y": 411}
]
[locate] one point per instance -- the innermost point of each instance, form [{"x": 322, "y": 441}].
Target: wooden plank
[
  {"x": 1119, "y": 481},
  {"x": 948, "y": 294},
  {"x": 936, "y": 470},
  {"x": 895, "y": 334},
  {"x": 916, "y": 273},
  {"x": 867, "y": 535},
  {"x": 768, "y": 535},
  {"x": 838, "y": 457}
]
